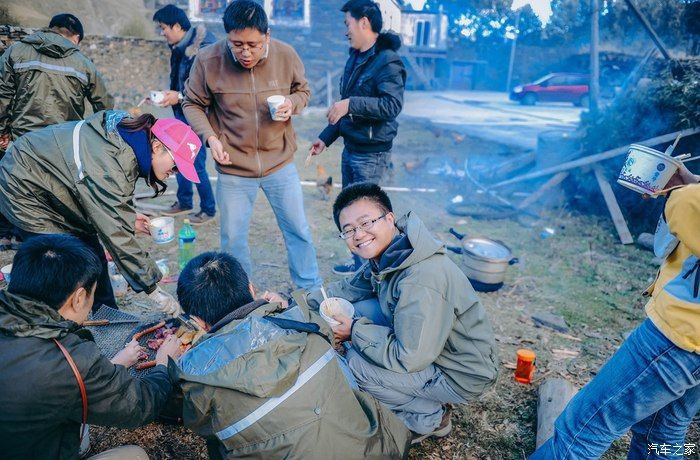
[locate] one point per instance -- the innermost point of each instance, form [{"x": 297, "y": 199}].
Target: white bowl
[
  {"x": 335, "y": 306},
  {"x": 647, "y": 170},
  {"x": 6, "y": 270},
  {"x": 163, "y": 229}
]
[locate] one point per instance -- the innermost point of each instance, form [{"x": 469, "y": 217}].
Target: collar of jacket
[
  {"x": 22, "y": 316},
  {"x": 237, "y": 314},
  {"x": 262, "y": 60},
  {"x": 182, "y": 45},
  {"x": 138, "y": 141}
]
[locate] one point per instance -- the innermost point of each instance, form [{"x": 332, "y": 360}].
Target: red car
[{"x": 555, "y": 87}]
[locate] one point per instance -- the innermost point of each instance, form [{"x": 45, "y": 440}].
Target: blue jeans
[
  {"x": 236, "y": 196},
  {"x": 649, "y": 386},
  {"x": 363, "y": 167},
  {"x": 206, "y": 194}
]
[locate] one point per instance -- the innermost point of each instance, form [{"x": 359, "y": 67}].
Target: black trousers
[{"x": 104, "y": 295}]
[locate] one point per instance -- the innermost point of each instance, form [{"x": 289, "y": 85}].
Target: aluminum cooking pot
[{"x": 485, "y": 261}]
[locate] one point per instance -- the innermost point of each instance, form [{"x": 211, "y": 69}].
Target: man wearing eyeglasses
[
  {"x": 420, "y": 338},
  {"x": 226, "y": 102}
]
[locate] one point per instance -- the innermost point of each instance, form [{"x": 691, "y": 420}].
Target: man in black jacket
[
  {"x": 184, "y": 42},
  {"x": 372, "y": 97},
  {"x": 41, "y": 408}
]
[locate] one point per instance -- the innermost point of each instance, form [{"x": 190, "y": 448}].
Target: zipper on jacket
[
  {"x": 257, "y": 123},
  {"x": 370, "y": 132}
]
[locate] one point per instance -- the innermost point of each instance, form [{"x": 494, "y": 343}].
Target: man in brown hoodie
[{"x": 226, "y": 103}]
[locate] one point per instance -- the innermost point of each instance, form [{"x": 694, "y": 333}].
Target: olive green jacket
[
  {"x": 44, "y": 80},
  {"x": 254, "y": 390},
  {"x": 49, "y": 184},
  {"x": 434, "y": 313}
]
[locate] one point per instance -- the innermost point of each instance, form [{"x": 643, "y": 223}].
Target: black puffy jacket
[{"x": 375, "y": 89}]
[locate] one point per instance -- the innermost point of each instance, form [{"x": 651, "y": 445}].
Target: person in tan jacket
[{"x": 226, "y": 103}]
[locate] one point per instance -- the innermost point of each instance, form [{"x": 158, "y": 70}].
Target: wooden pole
[
  {"x": 511, "y": 61},
  {"x": 594, "y": 86},
  {"x": 655, "y": 38},
  {"x": 554, "y": 395},
  {"x": 608, "y": 154}
]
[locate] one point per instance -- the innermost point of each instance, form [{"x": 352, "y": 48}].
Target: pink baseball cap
[{"x": 182, "y": 142}]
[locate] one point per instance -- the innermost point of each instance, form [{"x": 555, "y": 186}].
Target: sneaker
[
  {"x": 347, "y": 268},
  {"x": 200, "y": 218},
  {"x": 175, "y": 210},
  {"x": 440, "y": 432}
]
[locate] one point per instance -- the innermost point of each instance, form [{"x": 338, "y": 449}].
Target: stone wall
[{"x": 131, "y": 67}]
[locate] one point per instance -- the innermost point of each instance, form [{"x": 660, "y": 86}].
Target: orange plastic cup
[{"x": 525, "y": 368}]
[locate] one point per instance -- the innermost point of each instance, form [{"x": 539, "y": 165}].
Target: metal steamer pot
[{"x": 484, "y": 261}]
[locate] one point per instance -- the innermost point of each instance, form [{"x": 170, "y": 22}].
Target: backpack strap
[{"x": 81, "y": 385}]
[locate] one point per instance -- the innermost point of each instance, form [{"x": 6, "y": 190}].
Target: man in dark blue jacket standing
[
  {"x": 371, "y": 91},
  {"x": 184, "y": 42}
]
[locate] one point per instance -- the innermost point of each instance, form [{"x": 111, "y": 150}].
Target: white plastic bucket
[
  {"x": 6, "y": 270},
  {"x": 273, "y": 102},
  {"x": 647, "y": 170},
  {"x": 335, "y": 306},
  {"x": 163, "y": 229}
]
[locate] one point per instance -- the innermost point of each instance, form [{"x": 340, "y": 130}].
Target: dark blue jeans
[
  {"x": 363, "y": 167},
  {"x": 649, "y": 386},
  {"x": 206, "y": 194}
]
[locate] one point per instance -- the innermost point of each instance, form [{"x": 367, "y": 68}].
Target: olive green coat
[
  {"x": 44, "y": 80},
  {"x": 284, "y": 398},
  {"x": 47, "y": 186},
  {"x": 434, "y": 313}
]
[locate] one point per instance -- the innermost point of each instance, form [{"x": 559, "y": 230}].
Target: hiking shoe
[
  {"x": 440, "y": 432},
  {"x": 347, "y": 268},
  {"x": 175, "y": 210},
  {"x": 200, "y": 218}
]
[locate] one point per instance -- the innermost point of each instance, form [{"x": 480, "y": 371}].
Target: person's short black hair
[
  {"x": 212, "y": 285},
  {"x": 171, "y": 15},
  {"x": 49, "y": 268},
  {"x": 245, "y": 14},
  {"x": 68, "y": 22},
  {"x": 359, "y": 9},
  {"x": 360, "y": 191}
]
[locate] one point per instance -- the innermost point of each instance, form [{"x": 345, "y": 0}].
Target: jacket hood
[
  {"x": 388, "y": 41},
  {"x": 251, "y": 355},
  {"x": 423, "y": 244},
  {"x": 24, "y": 317},
  {"x": 50, "y": 43},
  {"x": 201, "y": 38}
]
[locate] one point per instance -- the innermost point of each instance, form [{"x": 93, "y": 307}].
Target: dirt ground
[{"x": 581, "y": 273}]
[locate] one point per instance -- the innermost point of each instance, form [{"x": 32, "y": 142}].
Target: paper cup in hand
[
  {"x": 273, "y": 102},
  {"x": 157, "y": 96},
  {"x": 335, "y": 306}
]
